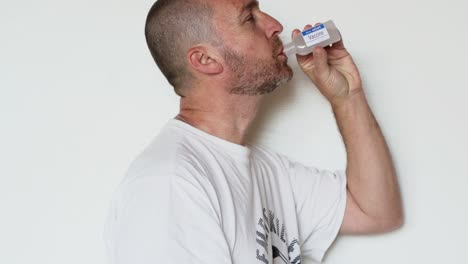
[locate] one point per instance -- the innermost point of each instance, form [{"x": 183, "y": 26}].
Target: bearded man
[{"x": 199, "y": 193}]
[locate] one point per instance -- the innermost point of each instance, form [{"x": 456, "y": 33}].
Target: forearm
[{"x": 370, "y": 172}]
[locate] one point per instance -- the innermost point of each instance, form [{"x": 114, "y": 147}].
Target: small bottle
[{"x": 321, "y": 35}]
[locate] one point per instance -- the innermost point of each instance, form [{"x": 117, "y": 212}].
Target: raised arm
[{"x": 373, "y": 198}]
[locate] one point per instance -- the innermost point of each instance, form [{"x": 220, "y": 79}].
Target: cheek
[
  {"x": 261, "y": 48},
  {"x": 252, "y": 43}
]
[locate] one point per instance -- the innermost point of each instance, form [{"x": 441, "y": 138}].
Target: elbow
[
  {"x": 392, "y": 223},
  {"x": 393, "y": 219},
  {"x": 395, "y": 224},
  {"x": 398, "y": 218}
]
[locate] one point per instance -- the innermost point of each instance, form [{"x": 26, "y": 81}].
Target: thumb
[{"x": 321, "y": 62}]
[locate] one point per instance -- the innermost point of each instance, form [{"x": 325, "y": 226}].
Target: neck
[{"x": 228, "y": 118}]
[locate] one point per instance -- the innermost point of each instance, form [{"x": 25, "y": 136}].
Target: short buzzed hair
[{"x": 172, "y": 28}]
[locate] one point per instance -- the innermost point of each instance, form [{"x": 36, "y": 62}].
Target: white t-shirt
[{"x": 191, "y": 197}]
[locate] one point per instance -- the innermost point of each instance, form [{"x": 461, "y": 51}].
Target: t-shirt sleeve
[
  {"x": 320, "y": 197},
  {"x": 170, "y": 222}
]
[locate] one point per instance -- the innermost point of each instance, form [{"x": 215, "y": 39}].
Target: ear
[{"x": 202, "y": 61}]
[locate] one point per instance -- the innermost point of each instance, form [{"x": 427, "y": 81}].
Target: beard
[{"x": 252, "y": 76}]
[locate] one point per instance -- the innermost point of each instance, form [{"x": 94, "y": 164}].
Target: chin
[
  {"x": 287, "y": 72},
  {"x": 284, "y": 70}
]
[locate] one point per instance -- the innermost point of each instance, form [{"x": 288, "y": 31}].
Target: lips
[{"x": 280, "y": 50}]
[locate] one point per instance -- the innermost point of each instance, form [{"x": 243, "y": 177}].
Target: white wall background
[{"x": 80, "y": 97}]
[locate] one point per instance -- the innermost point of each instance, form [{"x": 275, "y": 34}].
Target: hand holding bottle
[{"x": 331, "y": 69}]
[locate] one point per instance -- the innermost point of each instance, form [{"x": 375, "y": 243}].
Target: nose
[{"x": 272, "y": 26}]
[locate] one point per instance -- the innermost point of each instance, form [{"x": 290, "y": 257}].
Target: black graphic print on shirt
[{"x": 270, "y": 225}]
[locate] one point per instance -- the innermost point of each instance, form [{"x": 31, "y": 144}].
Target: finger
[
  {"x": 295, "y": 32},
  {"x": 307, "y": 27},
  {"x": 339, "y": 44},
  {"x": 321, "y": 61}
]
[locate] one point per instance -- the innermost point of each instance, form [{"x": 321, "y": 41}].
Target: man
[{"x": 200, "y": 194}]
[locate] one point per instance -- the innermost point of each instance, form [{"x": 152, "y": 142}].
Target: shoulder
[
  {"x": 162, "y": 168},
  {"x": 169, "y": 153},
  {"x": 266, "y": 154}
]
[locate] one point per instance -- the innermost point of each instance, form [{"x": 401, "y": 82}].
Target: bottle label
[{"x": 315, "y": 35}]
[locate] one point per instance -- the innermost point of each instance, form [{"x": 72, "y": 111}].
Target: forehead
[
  {"x": 242, "y": 4},
  {"x": 232, "y": 7}
]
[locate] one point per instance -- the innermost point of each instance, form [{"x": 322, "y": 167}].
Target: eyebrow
[{"x": 249, "y": 6}]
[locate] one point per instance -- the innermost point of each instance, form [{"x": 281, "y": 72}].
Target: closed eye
[{"x": 250, "y": 18}]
